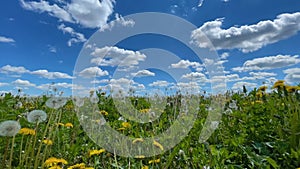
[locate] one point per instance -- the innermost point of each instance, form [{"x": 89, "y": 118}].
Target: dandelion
[
  {"x": 126, "y": 125},
  {"x": 121, "y": 129},
  {"x": 259, "y": 94},
  {"x": 9, "y": 128},
  {"x": 79, "y": 166},
  {"x": 137, "y": 140},
  {"x": 278, "y": 84},
  {"x": 69, "y": 125},
  {"x": 52, "y": 161},
  {"x": 145, "y": 167},
  {"x": 79, "y": 102},
  {"x": 27, "y": 131},
  {"x": 48, "y": 142},
  {"x": 96, "y": 152},
  {"x": 214, "y": 125},
  {"x": 55, "y": 167},
  {"x": 94, "y": 99},
  {"x": 157, "y": 144},
  {"x": 291, "y": 89},
  {"x": 56, "y": 102},
  {"x": 36, "y": 116},
  {"x": 262, "y": 88},
  {"x": 103, "y": 112},
  {"x": 60, "y": 124},
  {"x": 154, "y": 161},
  {"x": 140, "y": 156},
  {"x": 144, "y": 110}
]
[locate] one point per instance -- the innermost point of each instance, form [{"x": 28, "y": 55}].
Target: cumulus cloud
[
  {"x": 3, "y": 84},
  {"x": 23, "y": 83},
  {"x": 247, "y": 38},
  {"x": 59, "y": 85},
  {"x": 114, "y": 56},
  {"x": 6, "y": 39},
  {"x": 239, "y": 85},
  {"x": 13, "y": 69},
  {"x": 143, "y": 73},
  {"x": 51, "y": 75},
  {"x": 292, "y": 75},
  {"x": 269, "y": 62},
  {"x": 159, "y": 83},
  {"x": 76, "y": 37},
  {"x": 88, "y": 13},
  {"x": 185, "y": 64},
  {"x": 119, "y": 21},
  {"x": 92, "y": 72},
  {"x": 195, "y": 76}
]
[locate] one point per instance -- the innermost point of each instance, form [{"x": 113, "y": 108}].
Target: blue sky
[{"x": 256, "y": 41}]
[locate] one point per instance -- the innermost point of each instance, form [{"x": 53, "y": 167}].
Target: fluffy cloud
[
  {"x": 88, "y": 13},
  {"x": 119, "y": 21},
  {"x": 239, "y": 85},
  {"x": 185, "y": 64},
  {"x": 23, "y": 83},
  {"x": 159, "y": 83},
  {"x": 247, "y": 38},
  {"x": 92, "y": 72},
  {"x": 6, "y": 39},
  {"x": 195, "y": 76},
  {"x": 76, "y": 37},
  {"x": 3, "y": 84},
  {"x": 292, "y": 75},
  {"x": 143, "y": 73},
  {"x": 114, "y": 56},
  {"x": 59, "y": 85},
  {"x": 269, "y": 62},
  {"x": 13, "y": 69},
  {"x": 51, "y": 75}
]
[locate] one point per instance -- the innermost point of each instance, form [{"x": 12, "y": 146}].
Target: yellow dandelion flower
[
  {"x": 60, "y": 124},
  {"x": 89, "y": 168},
  {"x": 70, "y": 125},
  {"x": 137, "y": 140},
  {"x": 262, "y": 88},
  {"x": 154, "y": 161},
  {"x": 140, "y": 156},
  {"x": 103, "y": 112},
  {"x": 278, "y": 84},
  {"x": 291, "y": 89},
  {"x": 126, "y": 125},
  {"x": 52, "y": 161},
  {"x": 259, "y": 94},
  {"x": 157, "y": 144},
  {"x": 48, "y": 142},
  {"x": 77, "y": 166},
  {"x": 27, "y": 131},
  {"x": 121, "y": 129},
  {"x": 96, "y": 152},
  {"x": 145, "y": 167}
]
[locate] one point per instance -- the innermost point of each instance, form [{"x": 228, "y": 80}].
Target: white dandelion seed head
[
  {"x": 79, "y": 102},
  {"x": 56, "y": 102},
  {"x": 214, "y": 125},
  {"x": 232, "y": 105},
  {"x": 94, "y": 99},
  {"x": 36, "y": 116},
  {"x": 9, "y": 128}
]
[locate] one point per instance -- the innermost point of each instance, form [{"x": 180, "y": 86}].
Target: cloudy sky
[{"x": 257, "y": 43}]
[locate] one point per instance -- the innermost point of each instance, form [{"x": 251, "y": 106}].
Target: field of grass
[{"x": 258, "y": 129}]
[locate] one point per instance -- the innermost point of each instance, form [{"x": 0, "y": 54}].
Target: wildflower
[
  {"x": 9, "y": 128},
  {"x": 145, "y": 167},
  {"x": 140, "y": 156},
  {"x": 103, "y": 112},
  {"x": 94, "y": 99},
  {"x": 278, "y": 84},
  {"x": 157, "y": 144},
  {"x": 79, "y": 102},
  {"x": 291, "y": 89},
  {"x": 36, "y": 116},
  {"x": 48, "y": 142},
  {"x": 56, "y": 102},
  {"x": 137, "y": 140},
  {"x": 27, "y": 131},
  {"x": 79, "y": 166},
  {"x": 55, "y": 167},
  {"x": 70, "y": 125},
  {"x": 144, "y": 110},
  {"x": 154, "y": 161},
  {"x": 52, "y": 161},
  {"x": 126, "y": 125},
  {"x": 262, "y": 88},
  {"x": 259, "y": 94},
  {"x": 121, "y": 129},
  {"x": 96, "y": 152}
]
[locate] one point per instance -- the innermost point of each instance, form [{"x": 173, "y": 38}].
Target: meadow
[{"x": 258, "y": 129}]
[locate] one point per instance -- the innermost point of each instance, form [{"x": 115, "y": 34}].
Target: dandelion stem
[
  {"x": 11, "y": 152},
  {"x": 5, "y": 153}
]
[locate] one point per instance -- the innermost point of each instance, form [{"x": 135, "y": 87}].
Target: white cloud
[
  {"x": 93, "y": 72},
  {"x": 23, "y": 83},
  {"x": 59, "y": 85},
  {"x": 269, "y": 62},
  {"x": 143, "y": 73},
  {"x": 262, "y": 75},
  {"x": 239, "y": 85},
  {"x": 52, "y": 49},
  {"x": 200, "y": 3},
  {"x": 44, "y": 6},
  {"x": 6, "y": 39},
  {"x": 195, "y": 76},
  {"x": 292, "y": 75},
  {"x": 185, "y": 64},
  {"x": 3, "y": 84},
  {"x": 247, "y": 38},
  {"x": 13, "y": 69},
  {"x": 159, "y": 83},
  {"x": 224, "y": 55},
  {"x": 76, "y": 37},
  {"x": 88, "y": 13},
  {"x": 51, "y": 75},
  {"x": 114, "y": 56},
  {"x": 119, "y": 21}
]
